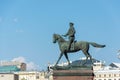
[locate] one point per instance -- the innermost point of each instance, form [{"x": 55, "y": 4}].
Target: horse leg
[
  {"x": 91, "y": 58},
  {"x": 59, "y": 58},
  {"x": 66, "y": 56},
  {"x": 88, "y": 55}
]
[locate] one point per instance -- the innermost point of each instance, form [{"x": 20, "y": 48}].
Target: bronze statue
[
  {"x": 80, "y": 45},
  {"x": 71, "y": 34}
]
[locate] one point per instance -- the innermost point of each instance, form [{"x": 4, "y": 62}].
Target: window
[
  {"x": 99, "y": 75},
  {"x": 109, "y": 75},
  {"x": 37, "y": 76},
  {"x": 104, "y": 75}
]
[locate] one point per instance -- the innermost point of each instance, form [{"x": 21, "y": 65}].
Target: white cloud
[
  {"x": 30, "y": 65},
  {"x": 19, "y": 59}
]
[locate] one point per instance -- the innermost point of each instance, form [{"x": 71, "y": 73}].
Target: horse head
[{"x": 57, "y": 37}]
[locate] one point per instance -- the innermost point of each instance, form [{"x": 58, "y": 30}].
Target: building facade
[
  {"x": 20, "y": 65},
  {"x": 8, "y": 76},
  {"x": 32, "y": 75},
  {"x": 102, "y": 72},
  {"x": 107, "y": 75}
]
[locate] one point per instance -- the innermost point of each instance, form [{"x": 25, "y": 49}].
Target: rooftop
[{"x": 9, "y": 69}]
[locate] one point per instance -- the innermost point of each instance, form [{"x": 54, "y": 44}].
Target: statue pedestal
[{"x": 74, "y": 74}]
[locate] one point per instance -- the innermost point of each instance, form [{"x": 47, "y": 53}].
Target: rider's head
[{"x": 71, "y": 24}]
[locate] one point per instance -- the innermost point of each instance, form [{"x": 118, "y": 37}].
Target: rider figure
[{"x": 70, "y": 34}]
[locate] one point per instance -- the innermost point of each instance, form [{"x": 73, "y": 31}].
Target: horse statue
[{"x": 79, "y": 45}]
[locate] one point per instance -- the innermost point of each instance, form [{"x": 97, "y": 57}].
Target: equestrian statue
[{"x": 72, "y": 46}]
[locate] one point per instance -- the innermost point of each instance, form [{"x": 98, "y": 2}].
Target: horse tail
[{"x": 96, "y": 45}]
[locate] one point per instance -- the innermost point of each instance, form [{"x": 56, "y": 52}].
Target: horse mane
[{"x": 61, "y": 38}]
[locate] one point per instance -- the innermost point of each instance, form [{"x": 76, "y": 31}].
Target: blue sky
[{"x": 27, "y": 26}]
